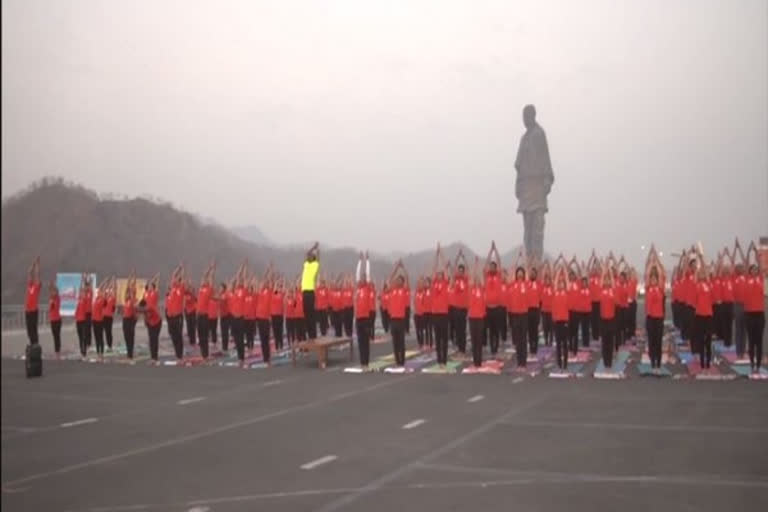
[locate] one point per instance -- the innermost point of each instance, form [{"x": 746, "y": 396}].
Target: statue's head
[{"x": 529, "y": 116}]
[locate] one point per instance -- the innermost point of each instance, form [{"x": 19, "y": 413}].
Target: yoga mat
[
  {"x": 419, "y": 362},
  {"x": 490, "y": 367},
  {"x": 645, "y": 370},
  {"x": 383, "y": 362},
  {"x": 732, "y": 358},
  {"x": 665, "y": 359},
  {"x": 617, "y": 371},
  {"x": 451, "y": 367},
  {"x": 746, "y": 371}
]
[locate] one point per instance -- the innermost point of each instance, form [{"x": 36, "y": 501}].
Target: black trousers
[
  {"x": 573, "y": 331},
  {"x": 108, "y": 330},
  {"x": 129, "y": 335},
  {"x": 226, "y": 326},
  {"x": 363, "y": 328},
  {"x": 337, "y": 319},
  {"x": 80, "y": 326},
  {"x": 477, "y": 333},
  {"x": 452, "y": 324},
  {"x": 440, "y": 321},
  {"x": 595, "y": 321},
  {"x": 322, "y": 321},
  {"x": 407, "y": 319},
  {"x": 398, "y": 340},
  {"x": 622, "y": 314},
  {"x": 727, "y": 323},
  {"x": 154, "y": 339},
  {"x": 277, "y": 331},
  {"x": 349, "y": 321},
  {"x": 30, "y": 317},
  {"x": 176, "y": 331},
  {"x": 654, "y": 327},
  {"x": 460, "y": 328},
  {"x": 263, "y": 325},
  {"x": 429, "y": 331},
  {"x": 607, "y": 332},
  {"x": 385, "y": 320},
  {"x": 584, "y": 321},
  {"x": 56, "y": 332},
  {"x": 249, "y": 326},
  {"x": 493, "y": 318},
  {"x": 519, "y": 328},
  {"x": 419, "y": 321},
  {"x": 88, "y": 327},
  {"x": 191, "y": 319},
  {"x": 238, "y": 334},
  {"x": 676, "y": 314},
  {"x": 687, "y": 323},
  {"x": 309, "y": 314},
  {"x": 213, "y": 327},
  {"x": 631, "y": 327},
  {"x": 290, "y": 330},
  {"x": 504, "y": 324},
  {"x": 561, "y": 344},
  {"x": 755, "y": 324},
  {"x": 546, "y": 324},
  {"x": 202, "y": 334},
  {"x": 534, "y": 316},
  {"x": 98, "y": 335},
  {"x": 702, "y": 334}
]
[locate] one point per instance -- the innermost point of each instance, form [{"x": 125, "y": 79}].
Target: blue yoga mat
[
  {"x": 619, "y": 363},
  {"x": 645, "y": 369},
  {"x": 744, "y": 370}
]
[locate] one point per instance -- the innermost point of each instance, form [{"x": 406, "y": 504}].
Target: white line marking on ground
[
  {"x": 319, "y": 462},
  {"x": 414, "y": 424},
  {"x": 639, "y": 426},
  {"x": 79, "y": 422},
  {"x": 272, "y": 383},
  {"x": 517, "y": 380},
  {"x": 475, "y": 398},
  {"x": 191, "y": 400},
  {"x": 206, "y": 433}
]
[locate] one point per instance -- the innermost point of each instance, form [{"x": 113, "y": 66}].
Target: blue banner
[{"x": 69, "y": 286}]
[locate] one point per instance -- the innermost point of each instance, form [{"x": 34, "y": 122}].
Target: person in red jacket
[
  {"x": 363, "y": 299},
  {"x": 724, "y": 271},
  {"x": 654, "y": 307},
  {"x": 702, "y": 322},
  {"x": 322, "y": 306},
  {"x": 110, "y": 304},
  {"x": 533, "y": 294},
  {"x": 250, "y": 303},
  {"x": 54, "y": 317},
  {"x": 214, "y": 312},
  {"x": 348, "y": 300},
  {"x": 477, "y": 311},
  {"x": 277, "y": 311},
  {"x": 236, "y": 308},
  {"x": 32, "y": 300},
  {"x": 494, "y": 301},
  {"x": 429, "y": 329},
  {"x": 461, "y": 302},
  {"x": 203, "y": 309},
  {"x": 439, "y": 308},
  {"x": 622, "y": 306},
  {"x": 632, "y": 309},
  {"x": 517, "y": 305},
  {"x": 89, "y": 288},
  {"x": 152, "y": 319},
  {"x": 129, "y": 316},
  {"x": 608, "y": 326},
  {"x": 561, "y": 315},
  {"x": 225, "y": 317},
  {"x": 99, "y": 304},
  {"x": 547, "y": 291},
  {"x": 398, "y": 301},
  {"x": 174, "y": 309},
  {"x": 739, "y": 283},
  {"x": 595, "y": 285},
  {"x": 80, "y": 318},
  {"x": 584, "y": 308},
  {"x": 263, "y": 313},
  {"x": 754, "y": 308},
  {"x": 418, "y": 309},
  {"x": 190, "y": 312},
  {"x": 574, "y": 296}
]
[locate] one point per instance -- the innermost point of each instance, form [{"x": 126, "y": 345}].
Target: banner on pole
[{"x": 69, "y": 286}]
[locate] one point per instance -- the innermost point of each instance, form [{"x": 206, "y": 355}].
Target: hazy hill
[{"x": 73, "y": 229}]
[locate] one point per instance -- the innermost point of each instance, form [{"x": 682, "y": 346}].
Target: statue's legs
[{"x": 533, "y": 237}]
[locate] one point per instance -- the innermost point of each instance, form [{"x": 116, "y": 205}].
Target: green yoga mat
[
  {"x": 451, "y": 367},
  {"x": 388, "y": 360}
]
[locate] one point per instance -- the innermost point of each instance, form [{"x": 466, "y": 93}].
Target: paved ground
[{"x": 125, "y": 438}]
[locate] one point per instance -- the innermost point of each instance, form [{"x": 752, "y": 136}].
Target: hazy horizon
[{"x": 394, "y": 125}]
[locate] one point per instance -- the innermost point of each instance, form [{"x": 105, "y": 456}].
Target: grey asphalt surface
[{"x": 240, "y": 441}]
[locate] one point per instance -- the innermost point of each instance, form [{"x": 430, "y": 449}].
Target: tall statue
[{"x": 534, "y": 181}]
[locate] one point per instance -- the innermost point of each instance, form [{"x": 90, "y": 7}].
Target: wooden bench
[{"x": 321, "y": 346}]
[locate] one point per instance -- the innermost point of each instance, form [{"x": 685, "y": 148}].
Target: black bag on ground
[{"x": 34, "y": 360}]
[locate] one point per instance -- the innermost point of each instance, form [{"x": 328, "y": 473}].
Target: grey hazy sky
[{"x": 393, "y": 124}]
